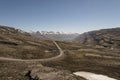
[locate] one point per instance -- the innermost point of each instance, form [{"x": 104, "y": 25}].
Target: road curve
[{"x": 58, "y": 57}]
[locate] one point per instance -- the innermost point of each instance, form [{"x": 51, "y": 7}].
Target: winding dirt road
[{"x": 58, "y": 57}]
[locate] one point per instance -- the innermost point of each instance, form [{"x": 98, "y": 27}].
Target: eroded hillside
[{"x": 108, "y": 38}]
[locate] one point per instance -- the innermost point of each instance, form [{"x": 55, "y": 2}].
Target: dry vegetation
[
  {"x": 78, "y": 60},
  {"x": 17, "y": 70},
  {"x": 15, "y": 43}
]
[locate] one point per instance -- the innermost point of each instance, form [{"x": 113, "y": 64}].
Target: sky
[{"x": 75, "y": 16}]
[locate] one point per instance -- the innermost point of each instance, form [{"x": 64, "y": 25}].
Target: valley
[{"x": 58, "y": 59}]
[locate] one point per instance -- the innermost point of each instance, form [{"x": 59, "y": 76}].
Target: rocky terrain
[
  {"x": 96, "y": 51},
  {"x": 19, "y": 46},
  {"x": 109, "y": 38},
  {"x": 17, "y": 71}
]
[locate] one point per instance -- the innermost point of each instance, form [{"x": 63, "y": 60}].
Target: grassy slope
[
  {"x": 18, "y": 44},
  {"x": 77, "y": 61},
  {"x": 15, "y": 43}
]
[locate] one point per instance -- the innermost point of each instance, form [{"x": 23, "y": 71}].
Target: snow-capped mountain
[{"x": 60, "y": 36}]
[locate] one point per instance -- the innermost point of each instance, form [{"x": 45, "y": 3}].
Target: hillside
[
  {"x": 104, "y": 38},
  {"x": 16, "y": 43},
  {"x": 84, "y": 54},
  {"x": 95, "y": 51}
]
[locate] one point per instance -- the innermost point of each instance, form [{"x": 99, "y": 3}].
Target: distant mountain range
[
  {"x": 60, "y": 36},
  {"x": 109, "y": 38}
]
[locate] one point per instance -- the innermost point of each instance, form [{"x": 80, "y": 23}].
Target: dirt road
[{"x": 58, "y": 57}]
